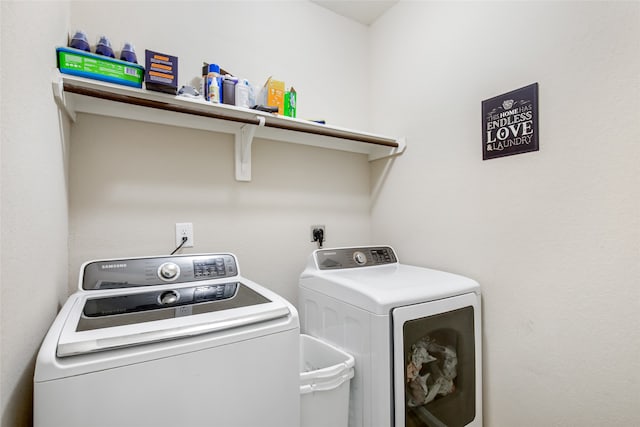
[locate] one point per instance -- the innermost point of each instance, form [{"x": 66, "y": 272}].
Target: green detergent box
[{"x": 98, "y": 67}]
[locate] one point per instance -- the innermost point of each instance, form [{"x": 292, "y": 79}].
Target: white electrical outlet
[{"x": 184, "y": 229}]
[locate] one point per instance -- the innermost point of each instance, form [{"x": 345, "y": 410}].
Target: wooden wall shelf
[{"x": 80, "y": 95}]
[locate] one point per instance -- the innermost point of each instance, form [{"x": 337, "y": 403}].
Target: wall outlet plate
[{"x": 184, "y": 229}]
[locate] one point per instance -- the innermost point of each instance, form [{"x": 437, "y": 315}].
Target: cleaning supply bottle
[
  {"x": 214, "y": 84},
  {"x": 128, "y": 53},
  {"x": 80, "y": 41},
  {"x": 244, "y": 92},
  {"x": 290, "y": 102},
  {"x": 103, "y": 47}
]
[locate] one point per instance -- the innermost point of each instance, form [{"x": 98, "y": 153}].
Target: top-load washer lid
[
  {"x": 158, "y": 299},
  {"x": 88, "y": 328},
  {"x": 372, "y": 279}
]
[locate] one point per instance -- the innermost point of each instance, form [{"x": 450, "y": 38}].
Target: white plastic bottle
[{"x": 243, "y": 94}]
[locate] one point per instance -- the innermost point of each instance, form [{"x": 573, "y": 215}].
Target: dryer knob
[
  {"x": 360, "y": 258},
  {"x": 169, "y": 271}
]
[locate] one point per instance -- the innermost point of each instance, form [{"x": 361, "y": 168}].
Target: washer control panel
[
  {"x": 135, "y": 272},
  {"x": 332, "y": 259}
]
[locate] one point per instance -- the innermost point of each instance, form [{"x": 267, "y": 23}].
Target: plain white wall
[
  {"x": 33, "y": 231},
  {"x": 552, "y": 236},
  {"x": 130, "y": 182}
]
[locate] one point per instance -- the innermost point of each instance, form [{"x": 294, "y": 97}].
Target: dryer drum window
[{"x": 439, "y": 359}]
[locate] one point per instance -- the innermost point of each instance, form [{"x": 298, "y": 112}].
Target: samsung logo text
[{"x": 108, "y": 266}]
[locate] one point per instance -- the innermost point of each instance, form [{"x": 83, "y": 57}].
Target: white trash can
[{"x": 325, "y": 376}]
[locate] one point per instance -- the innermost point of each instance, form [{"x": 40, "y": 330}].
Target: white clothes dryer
[
  {"x": 169, "y": 341},
  {"x": 415, "y": 334}
]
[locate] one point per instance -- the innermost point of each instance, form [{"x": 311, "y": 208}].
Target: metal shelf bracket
[{"x": 243, "y": 142}]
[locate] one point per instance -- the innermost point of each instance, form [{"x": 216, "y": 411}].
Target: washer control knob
[
  {"x": 360, "y": 258},
  {"x": 169, "y": 271},
  {"x": 168, "y": 297}
]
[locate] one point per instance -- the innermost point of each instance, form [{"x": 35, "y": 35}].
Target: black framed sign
[{"x": 510, "y": 123}]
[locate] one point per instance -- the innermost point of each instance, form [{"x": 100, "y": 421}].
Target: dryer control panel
[
  {"x": 135, "y": 272},
  {"x": 333, "y": 259}
]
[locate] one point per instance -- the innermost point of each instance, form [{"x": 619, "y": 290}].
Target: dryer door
[{"x": 437, "y": 363}]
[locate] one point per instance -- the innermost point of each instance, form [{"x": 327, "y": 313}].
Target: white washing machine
[
  {"x": 415, "y": 334},
  {"x": 169, "y": 341}
]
